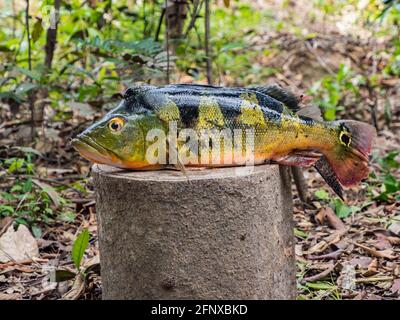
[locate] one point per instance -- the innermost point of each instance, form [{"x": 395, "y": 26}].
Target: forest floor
[{"x": 343, "y": 251}]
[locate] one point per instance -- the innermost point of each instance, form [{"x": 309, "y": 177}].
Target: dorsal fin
[
  {"x": 130, "y": 93},
  {"x": 283, "y": 95},
  {"x": 311, "y": 111}
]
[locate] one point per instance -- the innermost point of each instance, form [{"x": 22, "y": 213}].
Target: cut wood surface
[{"x": 217, "y": 234}]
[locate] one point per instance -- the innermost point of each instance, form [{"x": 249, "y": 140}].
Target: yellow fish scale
[
  {"x": 169, "y": 111},
  {"x": 290, "y": 134},
  {"x": 251, "y": 112},
  {"x": 210, "y": 114},
  {"x": 270, "y": 138}
]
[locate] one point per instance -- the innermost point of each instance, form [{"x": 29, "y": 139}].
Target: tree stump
[{"x": 211, "y": 235}]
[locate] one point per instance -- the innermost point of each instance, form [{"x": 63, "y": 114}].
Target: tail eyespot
[{"x": 116, "y": 124}]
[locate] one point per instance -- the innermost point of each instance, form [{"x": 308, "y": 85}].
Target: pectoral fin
[
  {"x": 298, "y": 158},
  {"x": 179, "y": 165}
]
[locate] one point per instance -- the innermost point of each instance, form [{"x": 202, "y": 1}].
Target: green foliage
[
  {"x": 385, "y": 180},
  {"x": 20, "y": 165},
  {"x": 314, "y": 289},
  {"x": 232, "y": 54},
  {"x": 390, "y": 15},
  {"x": 300, "y": 233},
  {"x": 391, "y": 11},
  {"x": 393, "y": 66},
  {"x": 121, "y": 49},
  {"x": 29, "y": 203},
  {"x": 331, "y": 90},
  {"x": 79, "y": 247},
  {"x": 321, "y": 194},
  {"x": 342, "y": 210},
  {"x": 328, "y": 6}
]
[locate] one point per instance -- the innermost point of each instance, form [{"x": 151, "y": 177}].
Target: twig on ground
[{"x": 320, "y": 275}]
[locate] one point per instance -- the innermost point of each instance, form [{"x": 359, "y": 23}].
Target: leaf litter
[{"x": 343, "y": 251}]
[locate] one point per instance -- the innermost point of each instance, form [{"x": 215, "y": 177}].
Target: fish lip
[
  {"x": 88, "y": 141},
  {"x": 84, "y": 143}
]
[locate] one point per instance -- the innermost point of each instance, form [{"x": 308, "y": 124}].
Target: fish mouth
[{"x": 92, "y": 151}]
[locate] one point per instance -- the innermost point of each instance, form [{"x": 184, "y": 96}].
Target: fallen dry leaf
[
  {"x": 395, "y": 287},
  {"x": 327, "y": 214},
  {"x": 362, "y": 262},
  {"x": 4, "y": 224},
  {"x": 6, "y": 296},
  {"x": 393, "y": 240},
  {"x": 395, "y": 228},
  {"x": 388, "y": 253},
  {"x": 347, "y": 277},
  {"x": 77, "y": 289},
  {"x": 326, "y": 242},
  {"x": 382, "y": 243},
  {"x": 17, "y": 245}
]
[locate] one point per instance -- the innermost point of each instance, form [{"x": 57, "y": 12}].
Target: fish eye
[
  {"x": 116, "y": 124},
  {"x": 345, "y": 138}
]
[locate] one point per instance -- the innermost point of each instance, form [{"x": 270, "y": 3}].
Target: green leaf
[
  {"x": 342, "y": 210},
  {"x": 68, "y": 216},
  {"x": 300, "y": 233},
  {"x": 321, "y": 194},
  {"x": 16, "y": 165},
  {"x": 79, "y": 247},
  {"x": 320, "y": 285},
  {"x": 27, "y": 187},
  {"x": 61, "y": 275},
  {"x": 392, "y": 185},
  {"x": 28, "y": 150},
  {"x": 232, "y": 46},
  {"x": 21, "y": 221},
  {"x": 5, "y": 210},
  {"x": 37, "y": 231},
  {"x": 37, "y": 30},
  {"x": 33, "y": 74},
  {"x": 390, "y": 161},
  {"x": 388, "y": 111},
  {"x": 25, "y": 87}
]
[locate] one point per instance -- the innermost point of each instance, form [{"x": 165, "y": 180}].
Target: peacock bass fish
[{"x": 221, "y": 126}]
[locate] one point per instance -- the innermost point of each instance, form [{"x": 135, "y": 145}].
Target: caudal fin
[{"x": 349, "y": 157}]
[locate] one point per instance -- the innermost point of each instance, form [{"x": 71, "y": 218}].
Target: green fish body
[{"x": 206, "y": 126}]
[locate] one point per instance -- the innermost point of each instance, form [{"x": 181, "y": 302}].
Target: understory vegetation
[{"x": 343, "y": 56}]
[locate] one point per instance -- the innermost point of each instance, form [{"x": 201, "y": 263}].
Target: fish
[{"x": 226, "y": 126}]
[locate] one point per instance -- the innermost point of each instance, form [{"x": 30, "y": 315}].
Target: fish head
[{"x": 116, "y": 140}]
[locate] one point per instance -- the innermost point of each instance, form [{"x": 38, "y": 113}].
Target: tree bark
[
  {"x": 51, "y": 36},
  {"x": 49, "y": 48},
  {"x": 176, "y": 12},
  {"x": 214, "y": 235},
  {"x": 300, "y": 183},
  {"x": 207, "y": 42}
]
